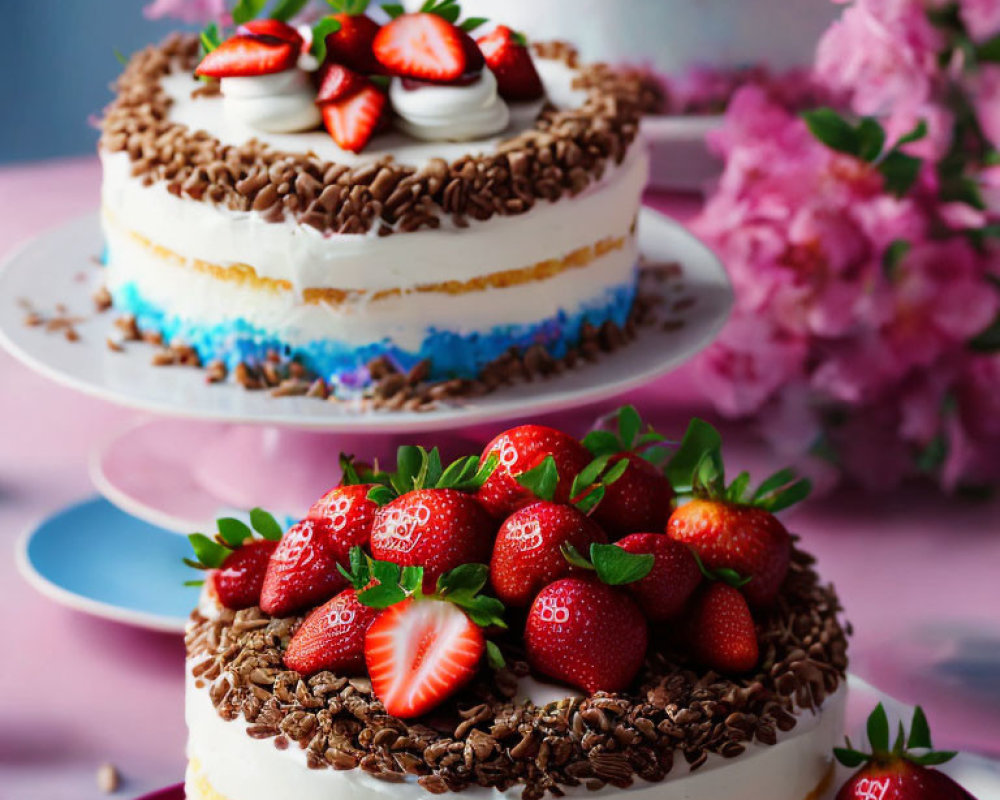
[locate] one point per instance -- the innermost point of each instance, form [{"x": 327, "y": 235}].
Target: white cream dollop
[
  {"x": 450, "y": 113},
  {"x": 283, "y": 102}
]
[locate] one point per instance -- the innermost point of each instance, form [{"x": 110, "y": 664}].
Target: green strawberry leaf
[
  {"x": 247, "y": 10},
  {"x": 284, "y": 10},
  {"x": 900, "y": 744},
  {"x": 615, "y": 472},
  {"x": 629, "y": 425},
  {"x": 933, "y": 758},
  {"x": 470, "y": 578},
  {"x": 878, "y": 730},
  {"x": 411, "y": 579},
  {"x": 589, "y": 501},
  {"x": 385, "y": 572},
  {"x": 210, "y": 39},
  {"x": 193, "y": 564},
  {"x": 920, "y": 732},
  {"x": 393, "y": 10},
  {"x": 574, "y": 557},
  {"x": 323, "y": 28},
  {"x": 601, "y": 443},
  {"x": 616, "y": 566},
  {"x": 849, "y": 757},
  {"x": 210, "y": 553},
  {"x": 265, "y": 524},
  {"x": 589, "y": 474},
  {"x": 728, "y": 576},
  {"x": 472, "y": 23},
  {"x": 380, "y": 495},
  {"x": 786, "y": 498},
  {"x": 494, "y": 657},
  {"x": 348, "y": 472},
  {"x": 458, "y": 472},
  {"x": 737, "y": 489},
  {"x": 233, "y": 532},
  {"x": 485, "y": 611},
  {"x": 120, "y": 56},
  {"x": 382, "y": 596},
  {"x": 485, "y": 471},
  {"x": 701, "y": 440},
  {"x": 359, "y": 575},
  {"x": 194, "y": 583},
  {"x": 541, "y": 480}
]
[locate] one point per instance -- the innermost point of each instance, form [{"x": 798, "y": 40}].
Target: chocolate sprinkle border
[
  {"x": 561, "y": 156},
  {"x": 482, "y": 738}
]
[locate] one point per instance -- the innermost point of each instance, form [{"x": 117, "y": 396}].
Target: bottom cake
[{"x": 358, "y": 656}]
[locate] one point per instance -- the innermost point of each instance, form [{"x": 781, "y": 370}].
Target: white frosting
[
  {"x": 283, "y": 102},
  {"x": 450, "y": 113},
  {"x": 241, "y": 768}
]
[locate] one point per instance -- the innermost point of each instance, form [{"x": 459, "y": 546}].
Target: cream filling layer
[{"x": 241, "y": 768}]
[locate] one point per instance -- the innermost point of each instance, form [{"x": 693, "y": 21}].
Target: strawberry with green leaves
[
  {"x": 521, "y": 450},
  {"x": 425, "y": 646},
  {"x": 528, "y": 552},
  {"x": 302, "y": 571},
  {"x": 903, "y": 772},
  {"x": 728, "y": 526},
  {"x": 235, "y": 559},
  {"x": 675, "y": 575},
  {"x": 332, "y": 637},
  {"x": 641, "y": 498},
  {"x": 507, "y": 55},
  {"x": 351, "y": 45},
  {"x": 429, "y": 516}
]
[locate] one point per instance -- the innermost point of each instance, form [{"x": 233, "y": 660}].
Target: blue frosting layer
[{"x": 451, "y": 354}]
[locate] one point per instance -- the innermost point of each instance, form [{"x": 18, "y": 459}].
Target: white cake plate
[{"x": 56, "y": 268}]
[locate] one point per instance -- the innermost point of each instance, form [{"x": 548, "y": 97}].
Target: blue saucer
[{"x": 128, "y": 571}]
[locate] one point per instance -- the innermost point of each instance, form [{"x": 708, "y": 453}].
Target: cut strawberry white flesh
[{"x": 419, "y": 652}]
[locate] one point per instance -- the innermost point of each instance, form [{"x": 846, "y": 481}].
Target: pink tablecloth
[{"x": 919, "y": 575}]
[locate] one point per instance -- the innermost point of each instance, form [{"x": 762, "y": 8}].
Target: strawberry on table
[
  {"x": 720, "y": 630},
  {"x": 352, "y": 45},
  {"x": 521, "y": 450},
  {"x": 303, "y": 570},
  {"x": 672, "y": 580},
  {"x": 248, "y": 56},
  {"x": 510, "y": 61},
  {"x": 728, "y": 527},
  {"x": 353, "y": 120},
  {"x": 587, "y": 634},
  {"x": 425, "y": 46},
  {"x": 903, "y": 772},
  {"x": 236, "y": 560},
  {"x": 430, "y": 518},
  {"x": 332, "y": 637}
]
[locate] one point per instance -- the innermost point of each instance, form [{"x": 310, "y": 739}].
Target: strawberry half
[
  {"x": 586, "y": 634},
  {"x": 238, "y": 582},
  {"x": 522, "y": 449},
  {"x": 419, "y": 652},
  {"x": 332, "y": 637},
  {"x": 437, "y": 529},
  {"x": 353, "y": 120},
  {"x": 510, "y": 61},
  {"x": 898, "y": 773},
  {"x": 302, "y": 571},
  {"x": 528, "y": 552},
  {"x": 270, "y": 29},
  {"x": 423, "y": 46},
  {"x": 720, "y": 630},
  {"x": 675, "y": 575},
  {"x": 352, "y": 45},
  {"x": 337, "y": 82},
  {"x": 248, "y": 56}
]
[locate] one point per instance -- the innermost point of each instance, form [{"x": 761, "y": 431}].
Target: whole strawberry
[
  {"x": 675, "y": 575},
  {"x": 587, "y": 634},
  {"x": 236, "y": 560},
  {"x": 351, "y": 45},
  {"x": 332, "y": 637},
  {"x": 729, "y": 528},
  {"x": 303, "y": 570},
  {"x": 720, "y": 630},
  {"x": 429, "y": 517},
  {"x": 899, "y": 773},
  {"x": 520, "y": 450},
  {"x": 641, "y": 498},
  {"x": 528, "y": 552},
  {"x": 510, "y": 61},
  {"x": 347, "y": 515}
]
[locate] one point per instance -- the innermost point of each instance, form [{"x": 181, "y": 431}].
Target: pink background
[{"x": 919, "y": 574}]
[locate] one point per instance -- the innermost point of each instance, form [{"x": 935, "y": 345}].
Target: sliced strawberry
[
  {"x": 337, "y": 82},
  {"x": 511, "y": 63},
  {"x": 353, "y": 121},
  {"x": 302, "y": 571},
  {"x": 437, "y": 529},
  {"x": 423, "y": 46},
  {"x": 238, "y": 581},
  {"x": 332, "y": 637},
  {"x": 270, "y": 29},
  {"x": 352, "y": 44},
  {"x": 347, "y": 515},
  {"x": 528, "y": 554},
  {"x": 420, "y": 652},
  {"x": 243, "y": 56},
  {"x": 675, "y": 575},
  {"x": 721, "y": 632}
]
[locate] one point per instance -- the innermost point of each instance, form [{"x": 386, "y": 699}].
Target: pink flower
[
  {"x": 981, "y": 18},
  {"x": 884, "y": 53},
  {"x": 985, "y": 89},
  {"x": 190, "y": 11}
]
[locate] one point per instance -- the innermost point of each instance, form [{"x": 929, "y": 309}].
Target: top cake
[
  {"x": 468, "y": 198},
  {"x": 538, "y": 618}
]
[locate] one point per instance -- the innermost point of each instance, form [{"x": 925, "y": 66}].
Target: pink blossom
[
  {"x": 985, "y": 89},
  {"x": 190, "y": 11},
  {"x": 981, "y": 18}
]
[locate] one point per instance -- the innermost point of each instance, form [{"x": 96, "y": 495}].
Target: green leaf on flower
[
  {"x": 918, "y": 133},
  {"x": 494, "y": 657},
  {"x": 899, "y": 172},
  {"x": 265, "y": 524},
  {"x": 832, "y": 130},
  {"x": 210, "y": 553},
  {"x": 233, "y": 532},
  {"x": 870, "y": 139},
  {"x": 247, "y": 10},
  {"x": 323, "y": 28},
  {"x": 989, "y": 50},
  {"x": 541, "y": 480},
  {"x": 284, "y": 10},
  {"x": 893, "y": 257},
  {"x": 988, "y": 341}
]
